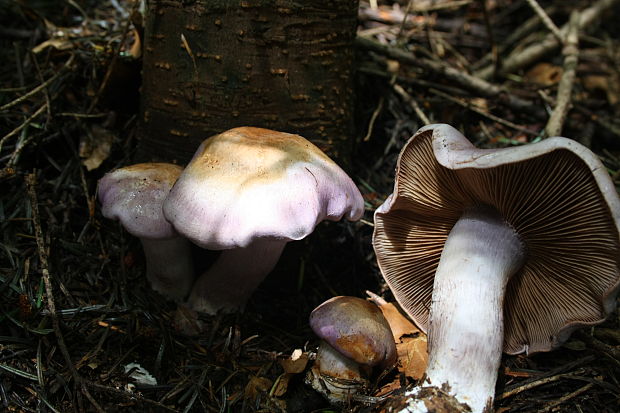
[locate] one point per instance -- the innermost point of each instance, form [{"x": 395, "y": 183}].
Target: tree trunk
[{"x": 211, "y": 65}]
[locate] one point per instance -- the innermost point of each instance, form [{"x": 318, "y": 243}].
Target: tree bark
[{"x": 211, "y": 65}]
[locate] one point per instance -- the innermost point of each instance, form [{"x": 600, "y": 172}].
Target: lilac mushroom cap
[
  {"x": 249, "y": 191},
  {"x": 134, "y": 195},
  {"x": 355, "y": 337},
  {"x": 517, "y": 247}
]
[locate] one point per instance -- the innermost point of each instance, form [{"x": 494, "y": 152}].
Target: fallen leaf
[
  {"x": 294, "y": 364},
  {"x": 256, "y": 386},
  {"x": 281, "y": 385},
  {"x": 95, "y": 146},
  {"x": 411, "y": 343},
  {"x": 59, "y": 44},
  {"x": 544, "y": 74},
  {"x": 608, "y": 84}
]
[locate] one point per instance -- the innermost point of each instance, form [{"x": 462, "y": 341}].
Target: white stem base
[
  {"x": 230, "y": 281},
  {"x": 466, "y": 330},
  {"x": 169, "y": 266},
  {"x": 336, "y": 377}
]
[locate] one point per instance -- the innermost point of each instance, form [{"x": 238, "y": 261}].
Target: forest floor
[{"x": 75, "y": 308}]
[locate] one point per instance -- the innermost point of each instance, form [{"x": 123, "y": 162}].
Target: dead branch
[
  {"x": 23, "y": 125},
  {"x": 544, "y": 17},
  {"x": 521, "y": 58},
  {"x": 41, "y": 87},
  {"x": 32, "y": 194},
  {"x": 412, "y": 102},
  {"x": 480, "y": 86},
  {"x": 565, "y": 87},
  {"x": 519, "y": 33},
  {"x": 484, "y": 113}
]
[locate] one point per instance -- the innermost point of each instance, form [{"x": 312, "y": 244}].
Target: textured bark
[{"x": 214, "y": 65}]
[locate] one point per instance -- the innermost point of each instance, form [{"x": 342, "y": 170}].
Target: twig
[
  {"x": 592, "y": 116},
  {"x": 483, "y": 113},
  {"x": 23, "y": 125},
  {"x": 566, "y": 397},
  {"x": 376, "y": 112},
  {"x": 463, "y": 79},
  {"x": 440, "y": 6},
  {"x": 493, "y": 44},
  {"x": 524, "y": 57},
  {"x": 544, "y": 17},
  {"x": 412, "y": 102},
  {"x": 543, "y": 379},
  {"x": 46, "y": 93},
  {"x": 373, "y": 118},
  {"x": 612, "y": 351},
  {"x": 41, "y": 87},
  {"x": 414, "y": 81},
  {"x": 530, "y": 385},
  {"x": 31, "y": 184},
  {"x": 565, "y": 88},
  {"x": 516, "y": 35}
]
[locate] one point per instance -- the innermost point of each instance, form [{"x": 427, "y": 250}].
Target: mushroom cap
[
  {"x": 249, "y": 183},
  {"x": 558, "y": 197},
  {"x": 356, "y": 328},
  {"x": 134, "y": 196}
]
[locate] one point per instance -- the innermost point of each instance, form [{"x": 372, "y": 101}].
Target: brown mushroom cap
[
  {"x": 356, "y": 328},
  {"x": 251, "y": 183},
  {"x": 556, "y": 194}
]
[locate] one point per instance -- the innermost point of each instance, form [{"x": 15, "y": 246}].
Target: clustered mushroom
[
  {"x": 497, "y": 249},
  {"x": 355, "y": 338},
  {"x": 487, "y": 250},
  {"x": 247, "y": 191}
]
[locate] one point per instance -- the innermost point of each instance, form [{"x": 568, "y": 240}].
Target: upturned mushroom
[
  {"x": 134, "y": 196},
  {"x": 355, "y": 338},
  {"x": 497, "y": 249},
  {"x": 248, "y": 191}
]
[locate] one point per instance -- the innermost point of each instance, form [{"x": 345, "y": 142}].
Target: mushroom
[
  {"x": 355, "y": 337},
  {"x": 248, "y": 191},
  {"x": 497, "y": 249},
  {"x": 134, "y": 195}
]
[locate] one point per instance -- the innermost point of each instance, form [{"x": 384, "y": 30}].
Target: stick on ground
[
  {"x": 31, "y": 183},
  {"x": 565, "y": 87}
]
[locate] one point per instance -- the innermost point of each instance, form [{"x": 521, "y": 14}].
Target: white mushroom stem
[
  {"x": 230, "y": 281},
  {"x": 169, "y": 266},
  {"x": 335, "y": 376},
  {"x": 466, "y": 331}
]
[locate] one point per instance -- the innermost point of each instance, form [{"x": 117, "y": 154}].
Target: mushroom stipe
[{"x": 492, "y": 250}]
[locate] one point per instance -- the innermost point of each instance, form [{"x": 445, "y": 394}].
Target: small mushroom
[
  {"x": 355, "y": 338},
  {"x": 248, "y": 191},
  {"x": 517, "y": 247},
  {"x": 134, "y": 195}
]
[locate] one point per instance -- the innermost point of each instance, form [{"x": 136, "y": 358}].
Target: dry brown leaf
[
  {"x": 95, "y": 146},
  {"x": 411, "y": 343},
  {"x": 296, "y": 363},
  {"x": 58, "y": 43},
  {"x": 281, "y": 385},
  {"x": 544, "y": 74},
  {"x": 413, "y": 355},
  {"x": 292, "y": 365},
  {"x": 606, "y": 84},
  {"x": 256, "y": 386}
]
